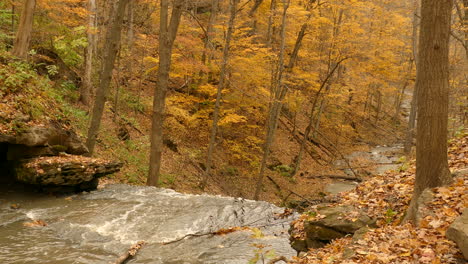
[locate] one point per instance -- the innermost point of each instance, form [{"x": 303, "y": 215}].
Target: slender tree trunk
[
  {"x": 414, "y": 106},
  {"x": 432, "y": 82},
  {"x": 271, "y": 27},
  {"x": 130, "y": 34},
  {"x": 279, "y": 90},
  {"x": 86, "y": 87},
  {"x": 379, "y": 106},
  {"x": 117, "y": 86},
  {"x": 300, "y": 37},
  {"x": 221, "y": 84},
  {"x": 23, "y": 36},
  {"x": 167, "y": 35},
  {"x": 111, "y": 48},
  {"x": 207, "y": 44},
  {"x": 255, "y": 6}
]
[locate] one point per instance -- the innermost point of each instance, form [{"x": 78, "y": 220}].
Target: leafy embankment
[
  {"x": 27, "y": 99},
  {"x": 386, "y": 199}
]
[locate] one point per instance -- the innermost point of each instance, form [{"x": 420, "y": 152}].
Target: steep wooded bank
[
  {"x": 38, "y": 143},
  {"x": 287, "y": 86}
]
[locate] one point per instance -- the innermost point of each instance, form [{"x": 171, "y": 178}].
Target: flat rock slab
[
  {"x": 64, "y": 170},
  {"x": 458, "y": 232}
]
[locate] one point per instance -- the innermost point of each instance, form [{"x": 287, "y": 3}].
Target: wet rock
[
  {"x": 458, "y": 232},
  {"x": 66, "y": 170}
]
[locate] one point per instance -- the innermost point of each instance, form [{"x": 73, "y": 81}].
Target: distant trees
[
  {"x": 23, "y": 35},
  {"x": 432, "y": 87}
]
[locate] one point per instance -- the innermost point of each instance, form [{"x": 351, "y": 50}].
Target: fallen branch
[
  {"x": 312, "y": 202},
  {"x": 130, "y": 253},
  {"x": 342, "y": 177}
]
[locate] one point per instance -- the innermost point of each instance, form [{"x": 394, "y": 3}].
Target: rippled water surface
[{"x": 99, "y": 226}]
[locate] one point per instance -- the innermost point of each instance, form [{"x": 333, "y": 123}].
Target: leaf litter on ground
[{"x": 386, "y": 198}]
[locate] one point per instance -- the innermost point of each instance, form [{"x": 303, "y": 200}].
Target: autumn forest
[{"x": 270, "y": 100}]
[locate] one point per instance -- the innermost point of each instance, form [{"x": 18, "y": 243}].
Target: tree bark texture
[
  {"x": 23, "y": 36},
  {"x": 432, "y": 86},
  {"x": 167, "y": 35},
  {"x": 111, "y": 48},
  {"x": 221, "y": 84}
]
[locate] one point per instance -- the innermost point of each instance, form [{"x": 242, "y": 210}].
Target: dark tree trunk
[
  {"x": 23, "y": 36},
  {"x": 432, "y": 86},
  {"x": 167, "y": 35},
  {"x": 111, "y": 48}
]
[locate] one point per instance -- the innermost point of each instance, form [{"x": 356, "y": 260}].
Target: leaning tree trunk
[
  {"x": 279, "y": 92},
  {"x": 432, "y": 86},
  {"x": 111, "y": 48},
  {"x": 221, "y": 84},
  {"x": 86, "y": 88},
  {"x": 167, "y": 35},
  {"x": 23, "y": 36}
]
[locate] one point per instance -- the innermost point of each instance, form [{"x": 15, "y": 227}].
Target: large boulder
[
  {"x": 64, "y": 170},
  {"x": 458, "y": 232},
  {"x": 43, "y": 140},
  {"x": 330, "y": 223}
]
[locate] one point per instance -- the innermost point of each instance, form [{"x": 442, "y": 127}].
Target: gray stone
[
  {"x": 458, "y": 232},
  {"x": 47, "y": 136},
  {"x": 337, "y": 222},
  {"x": 359, "y": 234},
  {"x": 345, "y": 219}
]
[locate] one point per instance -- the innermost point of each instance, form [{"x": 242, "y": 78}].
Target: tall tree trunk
[
  {"x": 111, "y": 48},
  {"x": 167, "y": 35},
  {"x": 279, "y": 91},
  {"x": 271, "y": 27},
  {"x": 221, "y": 84},
  {"x": 130, "y": 34},
  {"x": 432, "y": 82},
  {"x": 23, "y": 36},
  {"x": 414, "y": 106},
  {"x": 86, "y": 88}
]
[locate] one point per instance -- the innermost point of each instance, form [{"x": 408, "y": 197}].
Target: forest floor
[{"x": 386, "y": 198}]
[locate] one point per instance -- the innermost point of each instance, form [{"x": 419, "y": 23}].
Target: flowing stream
[{"x": 99, "y": 226}]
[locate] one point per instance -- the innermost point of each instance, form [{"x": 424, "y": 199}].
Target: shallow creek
[{"x": 99, "y": 226}]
